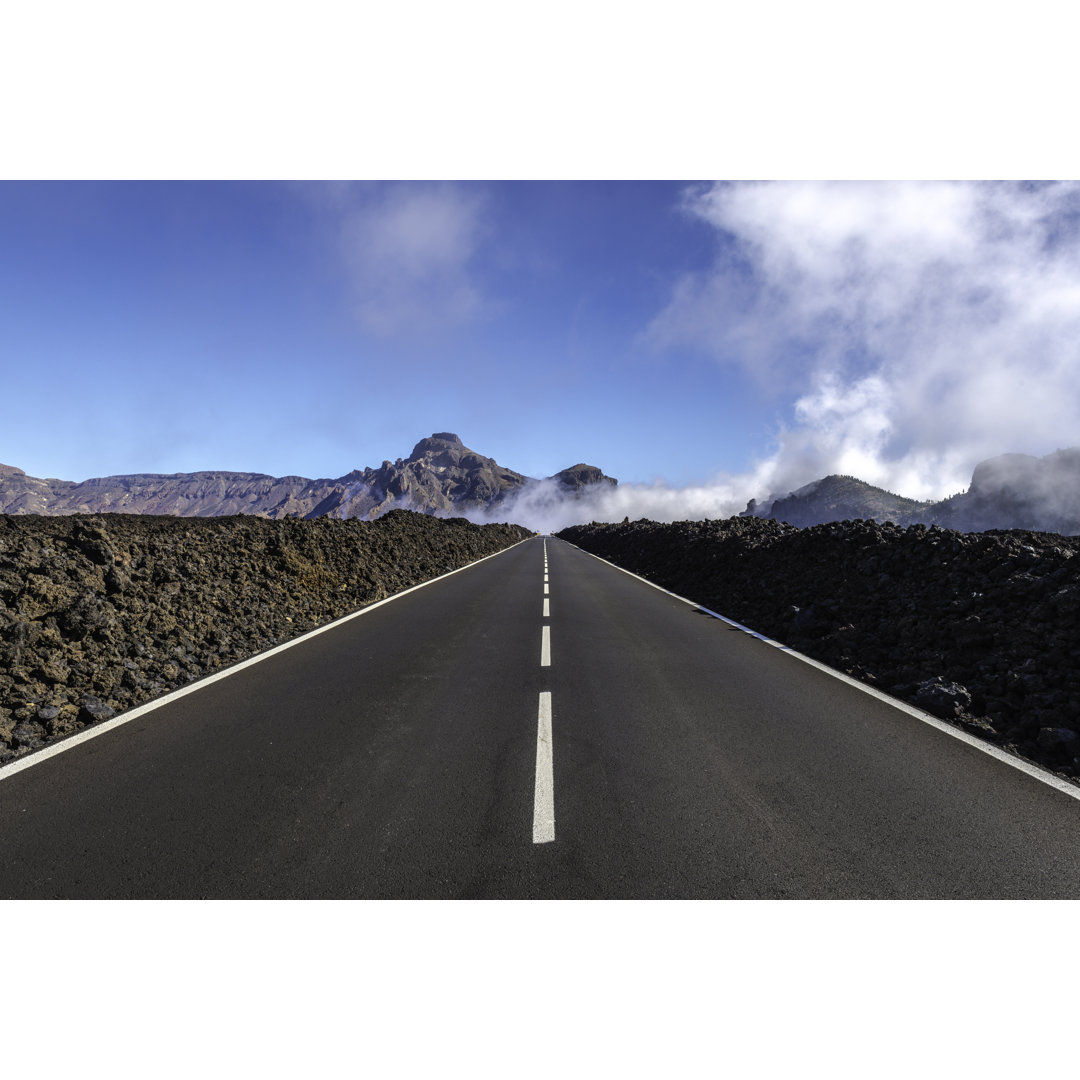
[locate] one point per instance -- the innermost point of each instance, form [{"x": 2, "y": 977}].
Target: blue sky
[
  {"x": 183, "y": 326},
  {"x": 706, "y": 342}
]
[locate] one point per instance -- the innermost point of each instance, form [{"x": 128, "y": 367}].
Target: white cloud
[
  {"x": 410, "y": 248},
  {"x": 916, "y": 327},
  {"x": 545, "y": 507}
]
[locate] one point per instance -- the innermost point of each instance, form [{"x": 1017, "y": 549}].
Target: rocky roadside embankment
[
  {"x": 100, "y": 613},
  {"x": 980, "y": 629}
]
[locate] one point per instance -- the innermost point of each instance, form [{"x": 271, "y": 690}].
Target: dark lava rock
[
  {"x": 100, "y": 613},
  {"x": 944, "y": 699},
  {"x": 94, "y": 709},
  {"x": 1055, "y": 737},
  {"x": 28, "y": 736},
  {"x": 978, "y": 628}
]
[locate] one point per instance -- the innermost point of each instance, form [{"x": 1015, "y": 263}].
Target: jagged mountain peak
[{"x": 437, "y": 443}]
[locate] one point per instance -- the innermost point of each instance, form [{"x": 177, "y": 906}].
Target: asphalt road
[{"x": 403, "y": 755}]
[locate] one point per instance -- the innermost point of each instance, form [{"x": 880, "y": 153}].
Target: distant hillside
[
  {"x": 441, "y": 476},
  {"x": 579, "y": 478},
  {"x": 1028, "y": 492},
  {"x": 1012, "y": 491},
  {"x": 838, "y": 498}
]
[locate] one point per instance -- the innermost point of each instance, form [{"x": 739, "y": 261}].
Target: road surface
[{"x": 532, "y": 729}]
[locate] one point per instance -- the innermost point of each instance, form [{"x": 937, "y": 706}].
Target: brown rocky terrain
[
  {"x": 101, "y": 613},
  {"x": 977, "y": 628}
]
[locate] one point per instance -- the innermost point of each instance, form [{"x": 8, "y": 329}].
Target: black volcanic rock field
[
  {"x": 981, "y": 629},
  {"x": 100, "y": 613}
]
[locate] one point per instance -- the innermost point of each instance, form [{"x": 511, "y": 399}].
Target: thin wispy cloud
[{"x": 411, "y": 251}]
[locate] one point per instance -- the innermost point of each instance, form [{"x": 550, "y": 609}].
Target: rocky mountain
[
  {"x": 578, "y": 478},
  {"x": 441, "y": 476},
  {"x": 1028, "y": 492},
  {"x": 836, "y": 498},
  {"x": 1011, "y": 491}
]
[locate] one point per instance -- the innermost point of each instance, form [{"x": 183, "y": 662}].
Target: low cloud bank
[
  {"x": 1005, "y": 491},
  {"x": 547, "y": 507}
]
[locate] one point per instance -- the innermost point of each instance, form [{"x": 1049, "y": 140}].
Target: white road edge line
[
  {"x": 545, "y": 647},
  {"x": 36, "y": 757},
  {"x": 547, "y": 610},
  {"x": 544, "y": 792},
  {"x": 1048, "y": 778}
]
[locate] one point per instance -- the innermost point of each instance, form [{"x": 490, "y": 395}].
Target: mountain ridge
[
  {"x": 444, "y": 477},
  {"x": 1009, "y": 491},
  {"x": 441, "y": 476}
]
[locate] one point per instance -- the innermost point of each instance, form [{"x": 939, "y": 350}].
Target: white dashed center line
[{"x": 544, "y": 794}]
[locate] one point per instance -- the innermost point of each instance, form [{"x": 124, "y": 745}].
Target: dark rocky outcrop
[
  {"x": 101, "y": 613},
  {"x": 578, "y": 478},
  {"x": 977, "y": 628},
  {"x": 442, "y": 475}
]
